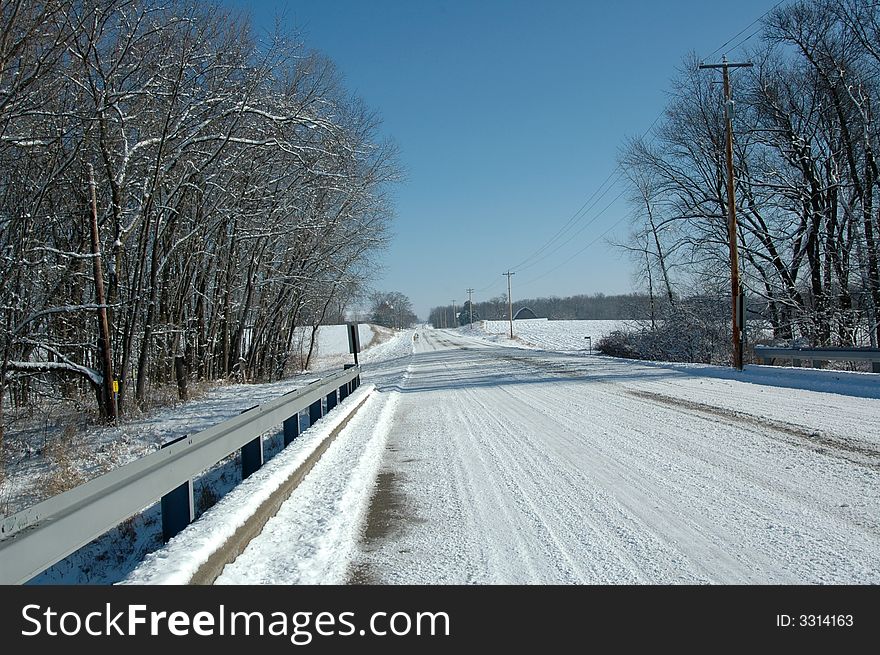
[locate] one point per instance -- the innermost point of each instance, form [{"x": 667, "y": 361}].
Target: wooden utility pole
[
  {"x": 109, "y": 391},
  {"x": 509, "y": 302},
  {"x": 738, "y": 306},
  {"x": 470, "y": 293},
  {"x": 454, "y": 317}
]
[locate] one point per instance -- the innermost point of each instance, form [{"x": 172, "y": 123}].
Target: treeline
[
  {"x": 240, "y": 193},
  {"x": 581, "y": 307},
  {"x": 391, "y": 309},
  {"x": 807, "y": 180}
]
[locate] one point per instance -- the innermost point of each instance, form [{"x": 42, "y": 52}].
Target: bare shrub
[{"x": 63, "y": 454}]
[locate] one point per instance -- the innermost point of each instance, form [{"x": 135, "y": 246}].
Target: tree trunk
[{"x": 180, "y": 374}]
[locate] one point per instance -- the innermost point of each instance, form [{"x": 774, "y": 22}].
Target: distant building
[{"x": 524, "y": 312}]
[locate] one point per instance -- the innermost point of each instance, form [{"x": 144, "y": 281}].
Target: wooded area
[
  {"x": 581, "y": 307},
  {"x": 240, "y": 193},
  {"x": 807, "y": 182}
]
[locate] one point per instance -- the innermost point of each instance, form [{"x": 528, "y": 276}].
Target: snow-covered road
[{"x": 507, "y": 465}]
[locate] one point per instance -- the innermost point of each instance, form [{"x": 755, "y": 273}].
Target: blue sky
[{"x": 508, "y": 116}]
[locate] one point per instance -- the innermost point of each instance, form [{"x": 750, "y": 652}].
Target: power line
[
  {"x": 571, "y": 221},
  {"x": 587, "y": 206},
  {"x": 580, "y": 231},
  {"x": 564, "y": 262},
  {"x": 616, "y": 169},
  {"x": 537, "y": 257},
  {"x": 746, "y": 28}
]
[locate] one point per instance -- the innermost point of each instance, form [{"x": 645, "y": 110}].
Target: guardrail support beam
[
  {"x": 178, "y": 510},
  {"x": 251, "y": 457},
  {"x": 291, "y": 429},
  {"x": 315, "y": 412},
  {"x": 332, "y": 399}
]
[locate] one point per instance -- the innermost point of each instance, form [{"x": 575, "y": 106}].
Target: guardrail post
[
  {"x": 348, "y": 388},
  {"x": 332, "y": 399},
  {"x": 178, "y": 509},
  {"x": 315, "y": 412},
  {"x": 251, "y": 453},
  {"x": 251, "y": 457},
  {"x": 291, "y": 429}
]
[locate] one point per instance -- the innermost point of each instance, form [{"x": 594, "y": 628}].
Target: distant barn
[{"x": 524, "y": 312}]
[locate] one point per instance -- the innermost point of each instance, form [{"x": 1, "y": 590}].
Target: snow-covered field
[
  {"x": 551, "y": 335},
  {"x": 478, "y": 460},
  {"x": 332, "y": 344}
]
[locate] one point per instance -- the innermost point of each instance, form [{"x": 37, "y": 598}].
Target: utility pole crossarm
[{"x": 747, "y": 64}]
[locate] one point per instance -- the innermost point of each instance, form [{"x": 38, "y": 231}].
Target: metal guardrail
[
  {"x": 818, "y": 355},
  {"x": 39, "y": 536}
]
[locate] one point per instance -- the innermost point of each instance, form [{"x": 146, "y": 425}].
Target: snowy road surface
[{"x": 475, "y": 462}]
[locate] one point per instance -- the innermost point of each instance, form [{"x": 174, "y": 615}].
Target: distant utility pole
[
  {"x": 509, "y": 302},
  {"x": 454, "y": 317},
  {"x": 735, "y": 289},
  {"x": 470, "y": 293}
]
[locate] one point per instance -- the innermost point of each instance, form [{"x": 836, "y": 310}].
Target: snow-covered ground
[
  {"x": 509, "y": 465},
  {"x": 503, "y": 464},
  {"x": 550, "y": 335},
  {"x": 478, "y": 460}
]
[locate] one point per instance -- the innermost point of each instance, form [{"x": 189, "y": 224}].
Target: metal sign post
[{"x": 354, "y": 341}]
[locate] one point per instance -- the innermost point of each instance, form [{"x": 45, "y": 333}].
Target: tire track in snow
[
  {"x": 625, "y": 555},
  {"x": 557, "y": 542},
  {"x": 826, "y": 444},
  {"x": 663, "y": 527},
  {"x": 730, "y": 491},
  {"x": 478, "y": 473},
  {"x": 619, "y": 552}
]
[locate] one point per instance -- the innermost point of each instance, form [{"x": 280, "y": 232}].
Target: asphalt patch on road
[{"x": 388, "y": 516}]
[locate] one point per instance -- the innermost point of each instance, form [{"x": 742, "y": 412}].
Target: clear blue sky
[{"x": 508, "y": 115}]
